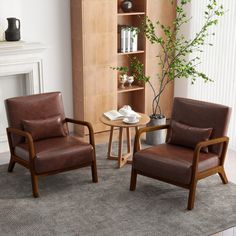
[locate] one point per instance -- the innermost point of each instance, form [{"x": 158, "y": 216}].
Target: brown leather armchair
[
  {"x": 39, "y": 139},
  {"x": 195, "y": 148}
]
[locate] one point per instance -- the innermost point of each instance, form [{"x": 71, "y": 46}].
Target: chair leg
[
  {"x": 34, "y": 182},
  {"x": 133, "y": 179},
  {"x": 223, "y": 176},
  {"x": 11, "y": 165},
  {"x": 94, "y": 172},
  {"x": 191, "y": 196}
]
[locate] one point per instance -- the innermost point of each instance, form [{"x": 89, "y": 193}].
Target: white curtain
[{"x": 218, "y": 62}]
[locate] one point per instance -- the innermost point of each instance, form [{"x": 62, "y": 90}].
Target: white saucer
[{"x": 125, "y": 120}]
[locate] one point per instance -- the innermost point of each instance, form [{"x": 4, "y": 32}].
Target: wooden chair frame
[
  {"x": 30, "y": 164},
  {"x": 195, "y": 174}
]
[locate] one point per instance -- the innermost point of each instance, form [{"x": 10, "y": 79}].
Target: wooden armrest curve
[
  {"x": 84, "y": 123},
  {"x": 224, "y": 140},
  {"x": 211, "y": 142},
  {"x": 78, "y": 122},
  {"x": 152, "y": 128},
  {"x": 22, "y": 133},
  {"x": 144, "y": 130}
]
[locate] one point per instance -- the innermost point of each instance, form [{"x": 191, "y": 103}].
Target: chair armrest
[
  {"x": 224, "y": 140},
  {"x": 21, "y": 133},
  {"x": 211, "y": 142},
  {"x": 145, "y": 130},
  {"x": 88, "y": 125}
]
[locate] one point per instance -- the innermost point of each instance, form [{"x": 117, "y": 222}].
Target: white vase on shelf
[{"x": 130, "y": 80}]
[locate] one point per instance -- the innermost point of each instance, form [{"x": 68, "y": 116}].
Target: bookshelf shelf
[
  {"x": 131, "y": 14},
  {"x": 130, "y": 89},
  {"x": 130, "y": 53}
]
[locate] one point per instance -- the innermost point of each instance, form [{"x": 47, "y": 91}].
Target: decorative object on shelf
[
  {"x": 127, "y": 5},
  {"x": 130, "y": 80},
  {"x": 123, "y": 76},
  {"x": 13, "y": 31},
  {"x": 122, "y": 80},
  {"x": 174, "y": 49}
]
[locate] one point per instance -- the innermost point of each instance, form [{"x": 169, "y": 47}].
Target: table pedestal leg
[
  {"x": 139, "y": 142},
  {"x": 110, "y": 143},
  {"x": 122, "y": 158},
  {"x": 129, "y": 145}
]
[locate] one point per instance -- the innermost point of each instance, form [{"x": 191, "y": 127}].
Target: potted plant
[{"x": 175, "y": 47}]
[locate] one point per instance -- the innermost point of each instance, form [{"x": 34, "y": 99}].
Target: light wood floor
[{"x": 230, "y": 167}]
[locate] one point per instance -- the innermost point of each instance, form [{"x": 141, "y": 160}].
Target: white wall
[
  {"x": 48, "y": 22},
  {"x": 218, "y": 62}
]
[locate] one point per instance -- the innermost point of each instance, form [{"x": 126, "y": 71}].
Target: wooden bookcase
[
  {"x": 133, "y": 95},
  {"x": 93, "y": 35},
  {"x": 94, "y": 32}
]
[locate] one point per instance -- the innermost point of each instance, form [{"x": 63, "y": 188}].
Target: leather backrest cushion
[
  {"x": 188, "y": 136},
  {"x": 203, "y": 114},
  {"x": 44, "y": 128},
  {"x": 33, "y": 107}
]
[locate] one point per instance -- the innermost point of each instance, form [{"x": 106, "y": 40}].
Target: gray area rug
[{"x": 70, "y": 204}]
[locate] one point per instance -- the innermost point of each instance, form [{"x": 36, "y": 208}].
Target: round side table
[{"x": 122, "y": 158}]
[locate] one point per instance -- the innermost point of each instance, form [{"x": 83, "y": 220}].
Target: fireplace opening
[
  {"x": 21, "y": 73},
  {"x": 10, "y": 86}
]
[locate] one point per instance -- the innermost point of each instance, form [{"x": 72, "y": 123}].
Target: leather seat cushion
[
  {"x": 171, "y": 162},
  {"x": 57, "y": 154}
]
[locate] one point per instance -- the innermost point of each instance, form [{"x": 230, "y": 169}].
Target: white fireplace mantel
[
  {"x": 23, "y": 58},
  {"x": 17, "y": 59},
  {"x": 20, "y": 47}
]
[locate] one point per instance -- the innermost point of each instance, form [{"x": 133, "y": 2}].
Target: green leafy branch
[
  {"x": 122, "y": 69},
  {"x": 175, "y": 47}
]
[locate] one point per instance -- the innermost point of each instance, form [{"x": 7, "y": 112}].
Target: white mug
[{"x": 132, "y": 118}]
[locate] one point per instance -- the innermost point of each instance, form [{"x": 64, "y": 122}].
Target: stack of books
[{"x": 128, "y": 39}]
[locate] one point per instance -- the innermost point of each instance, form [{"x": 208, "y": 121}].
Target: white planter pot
[{"x": 159, "y": 136}]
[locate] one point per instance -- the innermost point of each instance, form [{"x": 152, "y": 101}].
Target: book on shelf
[
  {"x": 127, "y": 38},
  {"x": 122, "y": 39},
  {"x": 133, "y": 41},
  {"x": 121, "y": 114}
]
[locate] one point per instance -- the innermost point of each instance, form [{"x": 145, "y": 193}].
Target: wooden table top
[{"x": 143, "y": 120}]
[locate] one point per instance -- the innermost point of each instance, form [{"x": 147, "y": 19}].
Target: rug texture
[{"x": 70, "y": 204}]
